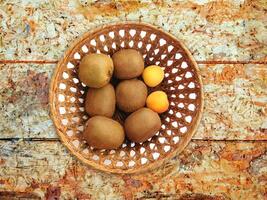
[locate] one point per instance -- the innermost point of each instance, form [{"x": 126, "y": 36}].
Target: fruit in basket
[
  {"x": 131, "y": 95},
  {"x": 95, "y": 70},
  {"x": 142, "y": 125},
  {"x": 128, "y": 63},
  {"x": 100, "y": 101},
  {"x": 103, "y": 133},
  {"x": 157, "y": 101},
  {"x": 153, "y": 75}
]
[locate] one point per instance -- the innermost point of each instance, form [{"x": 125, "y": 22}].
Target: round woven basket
[{"x": 182, "y": 83}]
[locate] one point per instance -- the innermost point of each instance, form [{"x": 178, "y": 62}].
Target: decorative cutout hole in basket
[{"x": 182, "y": 83}]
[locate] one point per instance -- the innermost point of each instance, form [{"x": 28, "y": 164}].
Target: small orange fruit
[
  {"x": 153, "y": 75},
  {"x": 158, "y": 101}
]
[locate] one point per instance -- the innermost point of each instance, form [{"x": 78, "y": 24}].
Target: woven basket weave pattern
[{"x": 181, "y": 83}]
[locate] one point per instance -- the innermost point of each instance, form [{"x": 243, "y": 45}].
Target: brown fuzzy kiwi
[
  {"x": 95, "y": 70},
  {"x": 103, "y": 133},
  {"x": 100, "y": 101},
  {"x": 128, "y": 63},
  {"x": 142, "y": 125},
  {"x": 131, "y": 95}
]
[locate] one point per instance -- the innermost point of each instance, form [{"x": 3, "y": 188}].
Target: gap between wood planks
[
  {"x": 193, "y": 140},
  {"x": 198, "y": 61}
]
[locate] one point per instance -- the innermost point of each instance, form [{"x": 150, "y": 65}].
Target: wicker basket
[{"x": 182, "y": 83}]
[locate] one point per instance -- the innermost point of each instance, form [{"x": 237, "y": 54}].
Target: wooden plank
[
  {"x": 24, "y": 101},
  {"x": 212, "y": 30},
  {"x": 211, "y": 170},
  {"x": 235, "y": 102},
  {"x": 235, "y": 105}
]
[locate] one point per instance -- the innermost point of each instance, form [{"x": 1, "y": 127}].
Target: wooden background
[{"x": 227, "y": 158}]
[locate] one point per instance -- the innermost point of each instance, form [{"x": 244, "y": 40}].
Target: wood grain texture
[
  {"x": 211, "y": 170},
  {"x": 212, "y": 30},
  {"x": 235, "y": 102},
  {"x": 235, "y": 106},
  {"x": 24, "y": 101}
]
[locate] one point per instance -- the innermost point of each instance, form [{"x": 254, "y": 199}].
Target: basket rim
[{"x": 156, "y": 163}]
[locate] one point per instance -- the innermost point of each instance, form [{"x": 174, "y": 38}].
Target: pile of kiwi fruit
[{"x": 115, "y": 85}]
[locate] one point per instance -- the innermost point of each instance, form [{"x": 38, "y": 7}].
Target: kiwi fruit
[
  {"x": 142, "y": 125},
  {"x": 103, "y": 133},
  {"x": 100, "y": 101},
  {"x": 131, "y": 95},
  {"x": 128, "y": 63},
  {"x": 95, "y": 70}
]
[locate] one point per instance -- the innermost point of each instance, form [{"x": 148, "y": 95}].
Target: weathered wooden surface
[
  {"x": 213, "y": 30},
  {"x": 235, "y": 102},
  {"x": 219, "y": 170},
  {"x": 233, "y": 165},
  {"x": 24, "y": 101}
]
